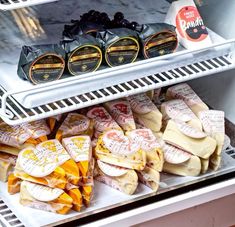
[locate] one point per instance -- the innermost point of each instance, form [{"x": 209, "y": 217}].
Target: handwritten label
[
  {"x": 43, "y": 193},
  {"x": 175, "y": 155},
  {"x": 141, "y": 103},
  {"x": 212, "y": 121},
  {"x": 184, "y": 92},
  {"x": 74, "y": 124},
  {"x": 189, "y": 130},
  {"x": 117, "y": 143},
  {"x": 35, "y": 164},
  {"x": 79, "y": 147},
  {"x": 111, "y": 170}
]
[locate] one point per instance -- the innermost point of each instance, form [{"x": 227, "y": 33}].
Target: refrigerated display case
[{"x": 22, "y": 102}]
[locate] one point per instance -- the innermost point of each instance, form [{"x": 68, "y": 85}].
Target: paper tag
[
  {"x": 121, "y": 112},
  {"x": 37, "y": 128},
  {"x": 35, "y": 164},
  {"x": 177, "y": 109},
  {"x": 141, "y": 103},
  {"x": 13, "y": 135},
  {"x": 111, "y": 170},
  {"x": 54, "y": 151},
  {"x": 189, "y": 130},
  {"x": 186, "y": 93},
  {"x": 74, "y": 124},
  {"x": 43, "y": 193},
  {"x": 103, "y": 119},
  {"x": 79, "y": 147},
  {"x": 212, "y": 121},
  {"x": 117, "y": 143},
  {"x": 145, "y": 138},
  {"x": 175, "y": 155}
]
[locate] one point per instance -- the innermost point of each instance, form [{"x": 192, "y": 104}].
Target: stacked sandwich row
[{"x": 120, "y": 143}]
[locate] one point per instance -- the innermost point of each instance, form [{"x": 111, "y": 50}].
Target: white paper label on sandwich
[
  {"x": 103, "y": 119},
  {"x": 74, "y": 124},
  {"x": 54, "y": 151},
  {"x": 145, "y": 138},
  {"x": 175, "y": 155},
  {"x": 117, "y": 143},
  {"x": 189, "y": 130},
  {"x": 111, "y": 170},
  {"x": 186, "y": 93},
  {"x": 141, "y": 103},
  {"x": 79, "y": 147},
  {"x": 212, "y": 121},
  {"x": 177, "y": 109},
  {"x": 35, "y": 164},
  {"x": 43, "y": 193}
]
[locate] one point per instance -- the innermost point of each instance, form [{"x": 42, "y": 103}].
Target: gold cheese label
[
  {"x": 48, "y": 67},
  {"x": 84, "y": 59}
]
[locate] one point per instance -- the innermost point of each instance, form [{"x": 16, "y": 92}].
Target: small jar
[
  {"x": 120, "y": 46},
  {"x": 41, "y": 63},
  {"x": 157, "y": 39}
]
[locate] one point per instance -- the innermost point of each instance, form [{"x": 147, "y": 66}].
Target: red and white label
[
  {"x": 145, "y": 138},
  {"x": 141, "y": 103},
  {"x": 175, "y": 155},
  {"x": 74, "y": 124},
  {"x": 177, "y": 109},
  {"x": 103, "y": 120},
  {"x": 111, "y": 170},
  {"x": 189, "y": 130},
  {"x": 121, "y": 112},
  {"x": 212, "y": 121},
  {"x": 117, "y": 143},
  {"x": 186, "y": 93}
]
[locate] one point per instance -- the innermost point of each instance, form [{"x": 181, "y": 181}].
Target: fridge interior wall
[{"x": 216, "y": 90}]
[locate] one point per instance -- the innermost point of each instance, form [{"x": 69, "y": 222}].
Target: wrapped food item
[
  {"x": 74, "y": 192},
  {"x": 13, "y": 136},
  {"x": 149, "y": 177},
  {"x": 14, "y": 150},
  {"x": 102, "y": 120},
  {"x": 145, "y": 111},
  {"x": 177, "y": 109},
  {"x": 51, "y": 121},
  {"x": 192, "y": 140},
  {"x": 190, "y": 28},
  {"x": 34, "y": 166},
  {"x": 185, "y": 93},
  {"x": 214, "y": 125},
  {"x": 148, "y": 143},
  {"x": 180, "y": 162},
  {"x": 119, "y": 178},
  {"x": 41, "y": 63},
  {"x": 83, "y": 53},
  {"x": 115, "y": 148},
  {"x": 45, "y": 198},
  {"x": 55, "y": 152},
  {"x": 191, "y": 167},
  {"x": 75, "y": 124},
  {"x": 79, "y": 148},
  {"x": 37, "y": 129},
  {"x": 121, "y": 112},
  {"x": 157, "y": 39},
  {"x": 13, "y": 184},
  {"x": 120, "y": 45},
  {"x": 7, "y": 162}
]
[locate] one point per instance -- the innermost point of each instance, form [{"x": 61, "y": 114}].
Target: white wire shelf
[
  {"x": 15, "y": 4},
  {"x": 109, "y": 84}
]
